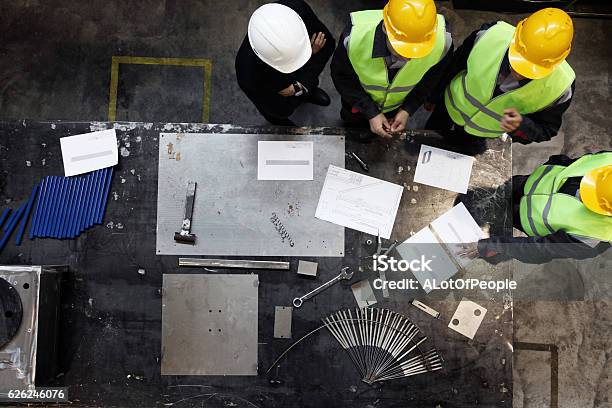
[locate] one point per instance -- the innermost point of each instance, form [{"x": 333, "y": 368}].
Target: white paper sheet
[
  {"x": 443, "y": 169},
  {"x": 284, "y": 160},
  {"x": 360, "y": 202},
  {"x": 455, "y": 228},
  {"x": 89, "y": 152},
  {"x": 424, "y": 243}
]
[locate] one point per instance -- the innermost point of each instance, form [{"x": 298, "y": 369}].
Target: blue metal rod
[
  {"x": 66, "y": 208},
  {"x": 77, "y": 203},
  {"x": 92, "y": 202},
  {"x": 86, "y": 190},
  {"x": 57, "y": 203},
  {"x": 48, "y": 208},
  {"x": 26, "y": 216},
  {"x": 43, "y": 207},
  {"x": 5, "y": 214},
  {"x": 105, "y": 196},
  {"x": 11, "y": 226},
  {"x": 94, "y": 218},
  {"x": 36, "y": 215},
  {"x": 60, "y": 207},
  {"x": 11, "y": 218}
]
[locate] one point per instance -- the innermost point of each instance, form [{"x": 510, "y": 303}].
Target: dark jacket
[
  {"x": 354, "y": 97},
  {"x": 261, "y": 83},
  {"x": 536, "y": 127},
  {"x": 540, "y": 249}
]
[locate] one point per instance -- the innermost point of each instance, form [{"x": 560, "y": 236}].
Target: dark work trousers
[
  {"x": 276, "y": 109},
  {"x": 457, "y": 138}
]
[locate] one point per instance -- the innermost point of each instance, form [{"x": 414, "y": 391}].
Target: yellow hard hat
[
  {"x": 596, "y": 190},
  {"x": 411, "y": 26},
  {"x": 541, "y": 42}
]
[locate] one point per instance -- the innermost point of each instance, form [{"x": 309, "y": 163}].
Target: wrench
[{"x": 344, "y": 275}]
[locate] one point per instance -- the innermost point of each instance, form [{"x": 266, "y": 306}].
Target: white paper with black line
[
  {"x": 89, "y": 152},
  {"x": 284, "y": 160}
]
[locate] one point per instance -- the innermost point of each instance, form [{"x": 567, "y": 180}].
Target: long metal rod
[
  {"x": 26, "y": 216},
  {"x": 233, "y": 263}
]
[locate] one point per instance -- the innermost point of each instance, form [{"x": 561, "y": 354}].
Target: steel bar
[
  {"x": 26, "y": 215},
  {"x": 233, "y": 263},
  {"x": 92, "y": 199}
]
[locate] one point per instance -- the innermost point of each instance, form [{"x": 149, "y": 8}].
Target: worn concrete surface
[{"x": 55, "y": 64}]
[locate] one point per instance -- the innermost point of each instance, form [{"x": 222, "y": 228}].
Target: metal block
[
  {"x": 467, "y": 318},
  {"x": 232, "y": 211},
  {"x": 364, "y": 294},
  {"x": 282, "y": 322},
  {"x": 209, "y": 324},
  {"x": 307, "y": 268}
]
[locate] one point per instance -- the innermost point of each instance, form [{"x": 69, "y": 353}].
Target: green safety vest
[
  {"x": 372, "y": 72},
  {"x": 544, "y": 210},
  {"x": 469, "y": 97}
]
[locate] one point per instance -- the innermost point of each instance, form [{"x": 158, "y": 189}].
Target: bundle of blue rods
[{"x": 63, "y": 207}]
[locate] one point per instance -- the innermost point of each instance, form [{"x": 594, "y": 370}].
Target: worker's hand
[
  {"x": 468, "y": 251},
  {"x": 380, "y": 125},
  {"x": 288, "y": 91},
  {"x": 398, "y": 123},
  {"x": 511, "y": 121},
  {"x": 317, "y": 41}
]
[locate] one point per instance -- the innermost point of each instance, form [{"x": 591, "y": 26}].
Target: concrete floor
[{"x": 55, "y": 59}]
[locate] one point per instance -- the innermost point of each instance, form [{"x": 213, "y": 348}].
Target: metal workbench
[{"x": 111, "y": 314}]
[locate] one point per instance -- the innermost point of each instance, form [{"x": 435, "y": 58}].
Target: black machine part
[
  {"x": 184, "y": 236},
  {"x": 11, "y": 312}
]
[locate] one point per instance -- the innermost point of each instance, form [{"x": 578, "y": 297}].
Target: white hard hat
[{"x": 279, "y": 37}]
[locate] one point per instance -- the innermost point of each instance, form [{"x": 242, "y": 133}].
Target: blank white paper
[
  {"x": 457, "y": 226},
  {"x": 360, "y": 202},
  {"x": 444, "y": 169},
  {"x": 284, "y": 160},
  {"x": 89, "y": 152},
  {"x": 424, "y": 243}
]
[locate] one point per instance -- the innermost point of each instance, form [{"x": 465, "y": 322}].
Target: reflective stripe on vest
[
  {"x": 469, "y": 97},
  {"x": 372, "y": 72},
  {"x": 544, "y": 210}
]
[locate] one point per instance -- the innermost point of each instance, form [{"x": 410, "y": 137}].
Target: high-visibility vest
[
  {"x": 372, "y": 72},
  {"x": 469, "y": 97},
  {"x": 545, "y": 211}
]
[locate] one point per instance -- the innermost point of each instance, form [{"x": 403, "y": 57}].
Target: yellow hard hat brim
[
  {"x": 525, "y": 67},
  {"x": 588, "y": 193}
]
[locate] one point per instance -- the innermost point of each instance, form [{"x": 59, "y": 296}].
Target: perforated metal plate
[
  {"x": 209, "y": 325},
  {"x": 232, "y": 208}
]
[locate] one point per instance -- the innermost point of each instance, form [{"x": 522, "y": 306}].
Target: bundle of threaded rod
[{"x": 383, "y": 344}]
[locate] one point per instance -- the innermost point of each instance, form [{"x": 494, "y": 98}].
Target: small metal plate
[
  {"x": 209, "y": 324},
  {"x": 282, "y": 322},
  {"x": 364, "y": 294},
  {"x": 467, "y": 318},
  {"x": 307, "y": 268}
]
